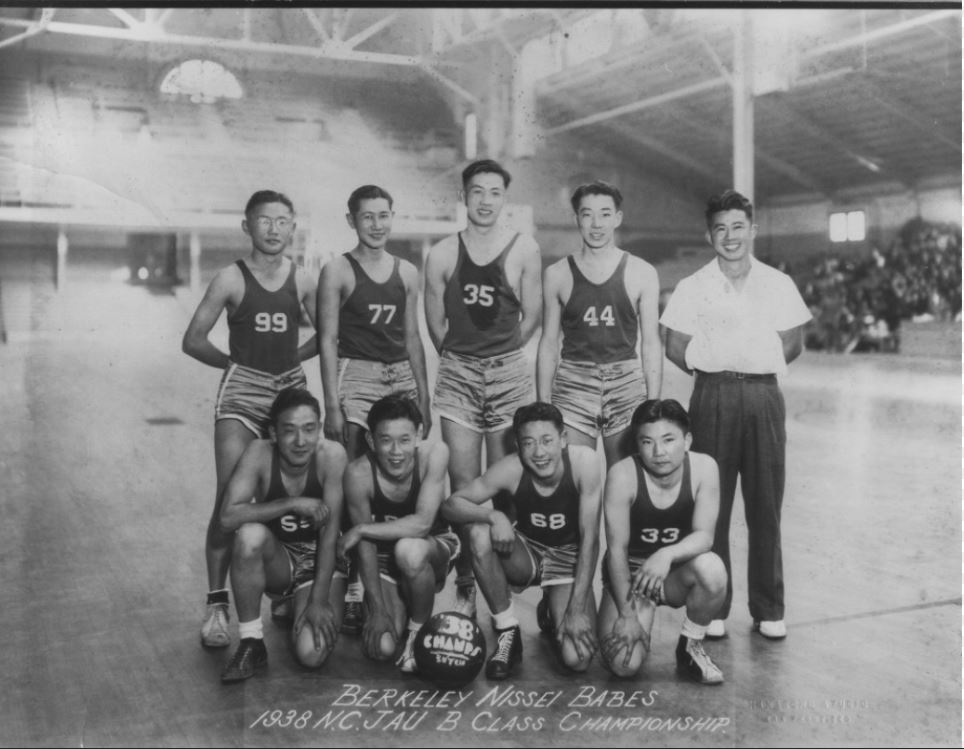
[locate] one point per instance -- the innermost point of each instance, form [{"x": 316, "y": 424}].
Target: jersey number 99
[{"x": 265, "y": 322}]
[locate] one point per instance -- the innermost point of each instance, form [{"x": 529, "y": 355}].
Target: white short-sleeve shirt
[{"x": 736, "y": 330}]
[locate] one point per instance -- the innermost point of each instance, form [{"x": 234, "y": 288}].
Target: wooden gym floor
[{"x": 107, "y": 471}]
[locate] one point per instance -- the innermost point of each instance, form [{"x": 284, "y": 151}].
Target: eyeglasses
[{"x": 266, "y": 222}]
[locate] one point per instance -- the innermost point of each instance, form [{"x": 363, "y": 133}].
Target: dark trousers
[{"x": 741, "y": 423}]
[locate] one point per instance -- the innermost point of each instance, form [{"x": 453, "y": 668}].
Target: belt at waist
[{"x": 729, "y": 375}]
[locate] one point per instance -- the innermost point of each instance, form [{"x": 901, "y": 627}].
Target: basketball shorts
[
  {"x": 361, "y": 382},
  {"x": 301, "y": 563},
  {"x": 598, "y": 398},
  {"x": 551, "y": 565},
  {"x": 635, "y": 564},
  {"x": 246, "y": 394},
  {"x": 446, "y": 542},
  {"x": 482, "y": 393}
]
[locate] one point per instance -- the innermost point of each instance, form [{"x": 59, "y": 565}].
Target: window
[
  {"x": 204, "y": 81},
  {"x": 848, "y": 226}
]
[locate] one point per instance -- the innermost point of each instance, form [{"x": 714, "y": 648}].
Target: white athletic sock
[
  {"x": 693, "y": 630},
  {"x": 253, "y": 629},
  {"x": 355, "y": 592},
  {"x": 507, "y": 619}
]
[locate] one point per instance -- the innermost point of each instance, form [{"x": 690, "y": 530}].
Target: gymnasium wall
[{"x": 795, "y": 232}]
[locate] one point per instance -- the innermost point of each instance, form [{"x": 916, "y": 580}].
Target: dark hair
[
  {"x": 292, "y": 398},
  {"x": 729, "y": 200},
  {"x": 267, "y": 196},
  {"x": 367, "y": 192},
  {"x": 393, "y": 407},
  {"x": 485, "y": 166},
  {"x": 537, "y": 411},
  {"x": 596, "y": 187},
  {"x": 651, "y": 411}
]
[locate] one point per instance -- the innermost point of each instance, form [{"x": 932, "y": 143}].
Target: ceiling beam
[
  {"x": 817, "y": 131},
  {"x": 450, "y": 84},
  {"x": 637, "y": 106},
  {"x": 688, "y": 118},
  {"x": 370, "y": 31},
  {"x": 893, "y": 104},
  {"x": 663, "y": 149},
  {"x": 881, "y": 33},
  {"x": 158, "y": 36},
  {"x": 316, "y": 24},
  {"x": 126, "y": 18}
]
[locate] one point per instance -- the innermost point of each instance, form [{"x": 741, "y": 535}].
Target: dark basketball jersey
[
  {"x": 263, "y": 330},
  {"x": 551, "y": 520},
  {"x": 385, "y": 510},
  {"x": 371, "y": 324},
  {"x": 599, "y": 322},
  {"x": 651, "y": 528},
  {"x": 481, "y": 308},
  {"x": 292, "y": 528}
]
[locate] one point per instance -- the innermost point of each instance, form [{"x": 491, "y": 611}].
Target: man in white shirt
[{"x": 736, "y": 323}]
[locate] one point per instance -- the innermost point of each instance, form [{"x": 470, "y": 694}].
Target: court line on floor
[{"x": 881, "y": 612}]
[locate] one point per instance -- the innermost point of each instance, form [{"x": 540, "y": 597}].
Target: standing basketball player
[
  {"x": 286, "y": 538},
  {"x": 602, "y": 300},
  {"x": 263, "y": 295},
  {"x": 482, "y": 299},
  {"x": 405, "y": 549},
  {"x": 660, "y": 507},
  {"x": 369, "y": 340},
  {"x": 547, "y": 534},
  {"x": 737, "y": 323}
]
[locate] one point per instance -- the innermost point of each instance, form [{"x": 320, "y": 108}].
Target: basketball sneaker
[
  {"x": 508, "y": 653},
  {"x": 406, "y": 661},
  {"x": 716, "y": 629},
  {"x": 544, "y": 617},
  {"x": 250, "y": 656},
  {"x": 772, "y": 630},
  {"x": 214, "y": 630},
  {"x": 693, "y": 661},
  {"x": 465, "y": 596}
]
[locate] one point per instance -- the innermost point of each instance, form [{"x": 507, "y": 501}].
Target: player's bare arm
[
  {"x": 248, "y": 480},
  {"x": 467, "y": 504},
  {"x": 358, "y": 496},
  {"x": 706, "y": 495},
  {"x": 792, "y": 341},
  {"x": 618, "y": 498},
  {"x": 224, "y": 292},
  {"x": 330, "y": 463},
  {"x": 646, "y": 293},
  {"x": 576, "y": 624},
  {"x": 530, "y": 285},
  {"x": 417, "y": 525},
  {"x": 413, "y": 343},
  {"x": 307, "y": 291},
  {"x": 557, "y": 285},
  {"x": 676, "y": 344},
  {"x": 438, "y": 267},
  {"x": 333, "y": 288}
]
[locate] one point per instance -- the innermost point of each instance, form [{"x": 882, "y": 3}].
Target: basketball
[{"x": 450, "y": 650}]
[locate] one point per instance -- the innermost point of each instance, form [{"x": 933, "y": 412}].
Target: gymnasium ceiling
[{"x": 844, "y": 98}]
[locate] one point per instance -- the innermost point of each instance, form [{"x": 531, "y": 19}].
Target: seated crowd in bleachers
[{"x": 858, "y": 303}]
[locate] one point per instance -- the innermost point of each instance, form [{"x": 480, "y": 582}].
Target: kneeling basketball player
[
  {"x": 547, "y": 534},
  {"x": 660, "y": 509},
  {"x": 285, "y": 540},
  {"x": 405, "y": 549}
]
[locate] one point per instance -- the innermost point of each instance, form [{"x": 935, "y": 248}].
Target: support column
[
  {"x": 743, "y": 107},
  {"x": 60, "y": 275},
  {"x": 195, "y": 247}
]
